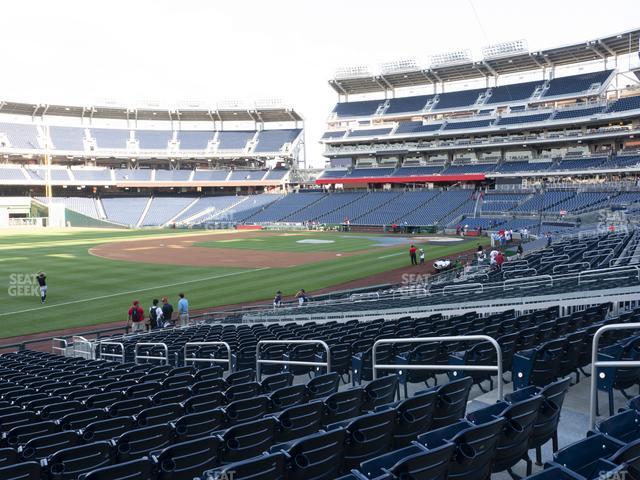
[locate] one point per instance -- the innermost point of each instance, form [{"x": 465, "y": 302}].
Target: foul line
[
  {"x": 392, "y": 255},
  {"x": 133, "y": 291}
]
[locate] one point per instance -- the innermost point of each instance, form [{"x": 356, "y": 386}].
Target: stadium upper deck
[
  {"x": 229, "y": 136},
  {"x": 450, "y": 129}
]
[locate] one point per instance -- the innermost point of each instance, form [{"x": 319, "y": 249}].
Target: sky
[{"x": 138, "y": 52}]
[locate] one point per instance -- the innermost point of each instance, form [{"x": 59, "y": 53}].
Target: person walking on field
[
  {"x": 136, "y": 318},
  {"x": 421, "y": 256},
  {"x": 42, "y": 282},
  {"x": 183, "y": 310},
  {"x": 412, "y": 255}
]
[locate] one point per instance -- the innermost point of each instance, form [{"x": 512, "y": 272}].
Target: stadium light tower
[
  {"x": 399, "y": 66},
  {"x": 504, "y": 49},
  {"x": 353, "y": 71},
  {"x": 450, "y": 58}
]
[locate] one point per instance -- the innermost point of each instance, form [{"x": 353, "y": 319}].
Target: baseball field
[{"x": 94, "y": 274}]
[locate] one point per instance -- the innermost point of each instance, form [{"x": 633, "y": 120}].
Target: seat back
[
  {"x": 194, "y": 425},
  {"x": 299, "y": 420},
  {"x": 451, "y": 402},
  {"x": 582, "y": 457},
  {"x": 241, "y": 391},
  {"x": 209, "y": 385},
  {"x": 414, "y": 416},
  {"x": 22, "y": 471},
  {"x": 380, "y": 392},
  {"x": 241, "y": 376},
  {"x": 203, "y": 402},
  {"x": 23, "y": 433},
  {"x": 45, "y": 445},
  {"x": 187, "y": 459},
  {"x": 159, "y": 414},
  {"x": 323, "y": 385},
  {"x": 107, "y": 429},
  {"x": 140, "y": 469},
  {"x": 78, "y": 420},
  {"x": 368, "y": 436},
  {"x": 248, "y": 440},
  {"x": 265, "y": 467},
  {"x": 342, "y": 406},
  {"x": 286, "y": 397},
  {"x": 317, "y": 456},
  {"x": 68, "y": 463},
  {"x": 274, "y": 382},
  {"x": 247, "y": 410},
  {"x": 140, "y": 441}
]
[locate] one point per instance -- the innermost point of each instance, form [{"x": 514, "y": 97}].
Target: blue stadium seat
[
  {"x": 194, "y": 425},
  {"x": 288, "y": 397},
  {"x": 583, "y": 457},
  {"x": 271, "y": 466},
  {"x": 203, "y": 402},
  {"x": 159, "y": 414},
  {"x": 186, "y": 460},
  {"x": 380, "y": 392},
  {"x": 451, "y": 402},
  {"x": 140, "y": 441},
  {"x": 475, "y": 445},
  {"x": 415, "y": 461},
  {"x": 624, "y": 426},
  {"x": 315, "y": 457},
  {"x": 69, "y": 463},
  {"x": 513, "y": 443},
  {"x": 22, "y": 471},
  {"x": 139, "y": 469},
  {"x": 107, "y": 429},
  {"x": 323, "y": 385},
  {"x": 247, "y": 409},
  {"x": 247, "y": 440},
  {"x": 342, "y": 406},
  {"x": 367, "y": 437},
  {"x": 298, "y": 421}
]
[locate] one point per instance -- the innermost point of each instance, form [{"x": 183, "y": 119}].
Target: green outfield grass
[{"x": 86, "y": 290}]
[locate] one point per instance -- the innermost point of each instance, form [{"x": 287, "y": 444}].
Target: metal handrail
[
  {"x": 585, "y": 265},
  {"x": 207, "y": 360},
  {"x": 528, "y": 282},
  {"x": 111, "y": 355},
  {"x": 463, "y": 288},
  {"x": 457, "y": 338},
  {"x": 62, "y": 348},
  {"x": 603, "y": 271},
  {"x": 136, "y": 357},
  {"x": 260, "y": 361},
  {"x": 595, "y": 364},
  {"x": 86, "y": 352}
]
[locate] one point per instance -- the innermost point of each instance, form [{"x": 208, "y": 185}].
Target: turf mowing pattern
[{"x": 87, "y": 290}]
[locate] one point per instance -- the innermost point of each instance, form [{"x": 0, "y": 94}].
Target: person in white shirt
[
  {"x": 492, "y": 256},
  {"x": 421, "y": 256}
]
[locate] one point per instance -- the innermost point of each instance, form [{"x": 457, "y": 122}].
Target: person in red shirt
[
  {"x": 499, "y": 260},
  {"x": 136, "y": 318},
  {"x": 412, "y": 255}
]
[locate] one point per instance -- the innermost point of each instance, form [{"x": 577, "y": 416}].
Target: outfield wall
[{"x": 75, "y": 219}]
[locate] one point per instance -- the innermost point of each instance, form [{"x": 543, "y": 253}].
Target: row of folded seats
[
  {"x": 181, "y": 446},
  {"x": 172, "y": 394},
  {"x": 610, "y": 451}
]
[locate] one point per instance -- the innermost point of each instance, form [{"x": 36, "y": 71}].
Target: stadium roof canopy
[
  {"x": 255, "y": 113},
  {"x": 359, "y": 80}
]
